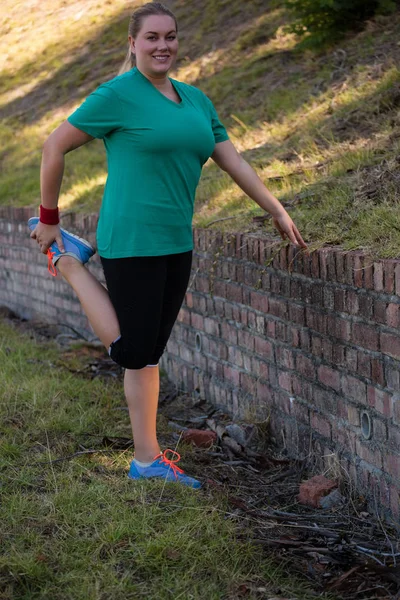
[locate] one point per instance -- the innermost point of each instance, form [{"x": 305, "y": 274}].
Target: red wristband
[{"x": 48, "y": 216}]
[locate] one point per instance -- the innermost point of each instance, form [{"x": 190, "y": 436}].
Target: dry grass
[{"x": 310, "y": 123}]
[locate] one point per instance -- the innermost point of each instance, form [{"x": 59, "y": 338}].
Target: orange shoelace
[
  {"x": 50, "y": 267},
  {"x": 170, "y": 461}
]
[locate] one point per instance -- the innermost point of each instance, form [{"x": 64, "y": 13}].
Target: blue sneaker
[
  {"x": 74, "y": 246},
  {"x": 164, "y": 468}
]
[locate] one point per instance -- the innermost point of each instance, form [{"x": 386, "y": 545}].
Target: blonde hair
[{"x": 135, "y": 25}]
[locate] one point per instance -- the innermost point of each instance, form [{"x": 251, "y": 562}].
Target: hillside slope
[{"x": 321, "y": 128}]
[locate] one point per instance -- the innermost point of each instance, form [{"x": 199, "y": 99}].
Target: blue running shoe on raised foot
[
  {"x": 74, "y": 246},
  {"x": 163, "y": 468}
]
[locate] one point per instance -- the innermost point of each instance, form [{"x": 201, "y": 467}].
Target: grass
[
  {"x": 314, "y": 124},
  {"x": 78, "y": 528}
]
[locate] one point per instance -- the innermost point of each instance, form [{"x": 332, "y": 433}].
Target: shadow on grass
[{"x": 97, "y": 60}]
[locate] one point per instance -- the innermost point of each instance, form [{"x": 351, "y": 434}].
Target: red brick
[
  {"x": 229, "y": 332},
  {"x": 353, "y": 415},
  {"x": 316, "y": 346},
  {"x": 370, "y": 453},
  {"x": 397, "y": 279},
  {"x": 235, "y": 356},
  {"x": 339, "y": 299},
  {"x": 305, "y": 366},
  {"x": 368, "y": 269},
  {"x": 314, "y": 489},
  {"x": 233, "y": 292},
  {"x": 394, "y": 438},
  {"x": 378, "y": 276},
  {"x": 338, "y": 328},
  {"x": 323, "y": 259},
  {"x": 246, "y": 340},
  {"x": 390, "y": 344},
  {"x": 380, "y": 433},
  {"x": 317, "y": 294},
  {"x": 297, "y": 314},
  {"x": 300, "y": 412},
  {"x": 358, "y": 272},
  {"x": 395, "y": 403},
  {"x": 219, "y": 289},
  {"x": 281, "y": 331},
  {"x": 345, "y": 438},
  {"x": 285, "y": 381},
  {"x": 184, "y": 316},
  {"x": 377, "y": 372},
  {"x": 278, "y": 308},
  {"x": 271, "y": 329},
  {"x": 364, "y": 364},
  {"x": 260, "y": 368},
  {"x": 243, "y": 316},
  {"x": 264, "y": 392},
  {"x": 252, "y": 320},
  {"x": 295, "y": 337},
  {"x": 199, "y": 437},
  {"x": 189, "y": 299},
  {"x": 202, "y": 284},
  {"x": 211, "y": 326},
  {"x": 276, "y": 285},
  {"x": 384, "y": 494},
  {"x": 315, "y": 264},
  {"x": 197, "y": 321},
  {"x": 392, "y": 466},
  {"x": 352, "y": 302},
  {"x": 354, "y": 389},
  {"x": 259, "y": 301},
  {"x": 284, "y": 357},
  {"x": 340, "y": 267},
  {"x": 325, "y": 401},
  {"x": 248, "y": 383},
  {"x": 395, "y": 502},
  {"x": 321, "y": 425},
  {"x": 329, "y": 377},
  {"x": 349, "y": 268},
  {"x": 366, "y": 306},
  {"x": 327, "y": 349},
  {"x": 305, "y": 340},
  {"x": 379, "y": 400},
  {"x": 380, "y": 311},
  {"x": 365, "y": 336},
  {"x": 389, "y": 276},
  {"x": 393, "y": 315},
  {"x": 316, "y": 320},
  {"x": 329, "y": 299}
]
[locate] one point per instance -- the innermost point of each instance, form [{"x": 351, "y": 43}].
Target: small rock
[
  {"x": 333, "y": 499},
  {"x": 236, "y": 433},
  {"x": 200, "y": 437},
  {"x": 312, "y": 490}
]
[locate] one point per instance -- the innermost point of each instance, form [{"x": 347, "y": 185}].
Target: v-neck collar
[{"x": 157, "y": 91}]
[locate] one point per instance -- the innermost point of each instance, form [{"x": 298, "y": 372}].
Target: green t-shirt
[{"x": 155, "y": 152}]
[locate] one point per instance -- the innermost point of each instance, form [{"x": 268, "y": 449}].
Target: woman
[{"x": 158, "y": 133}]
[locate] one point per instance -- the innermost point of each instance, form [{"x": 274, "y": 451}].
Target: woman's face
[{"x": 155, "y": 46}]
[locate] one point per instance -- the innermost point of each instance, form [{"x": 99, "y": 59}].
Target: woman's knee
[{"x": 130, "y": 357}]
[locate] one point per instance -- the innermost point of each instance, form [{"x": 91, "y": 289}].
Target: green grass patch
[{"x": 78, "y": 528}]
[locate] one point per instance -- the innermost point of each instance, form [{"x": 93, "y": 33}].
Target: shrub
[{"x": 324, "y": 20}]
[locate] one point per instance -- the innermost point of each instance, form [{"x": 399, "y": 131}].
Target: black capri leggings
[{"x": 147, "y": 293}]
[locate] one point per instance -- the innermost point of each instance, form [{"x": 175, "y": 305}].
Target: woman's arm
[
  {"x": 63, "y": 139},
  {"x": 228, "y": 159}
]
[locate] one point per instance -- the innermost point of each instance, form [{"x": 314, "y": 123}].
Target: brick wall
[{"x": 310, "y": 341}]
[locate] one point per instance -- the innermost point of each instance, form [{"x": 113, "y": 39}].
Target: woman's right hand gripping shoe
[{"x": 74, "y": 246}]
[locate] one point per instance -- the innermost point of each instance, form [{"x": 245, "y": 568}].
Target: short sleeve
[
  {"x": 99, "y": 115},
  {"x": 219, "y": 131}
]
